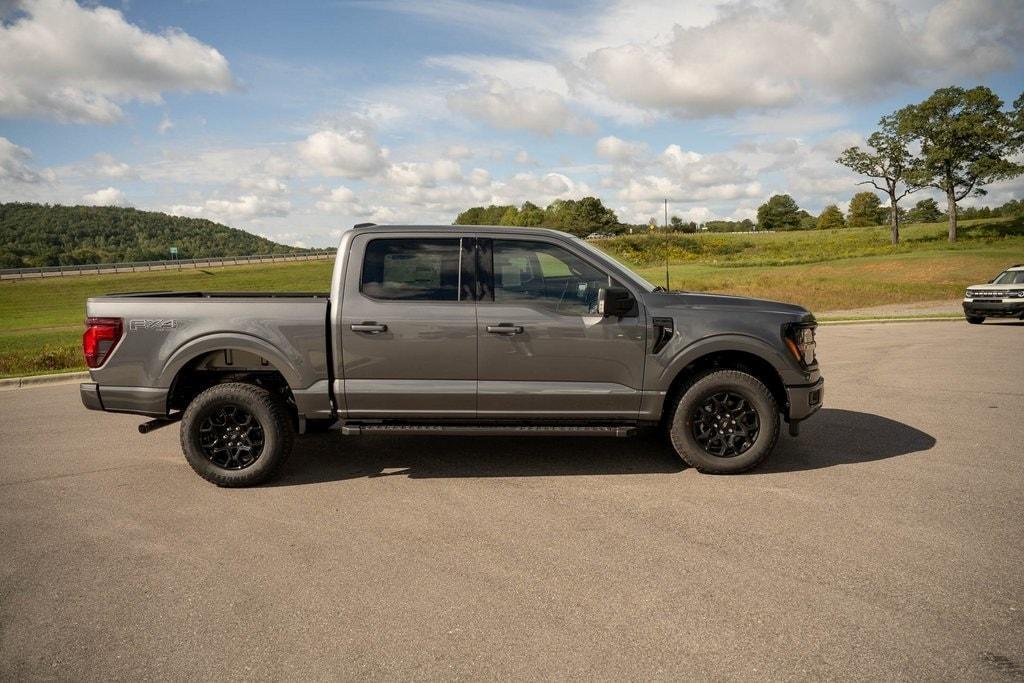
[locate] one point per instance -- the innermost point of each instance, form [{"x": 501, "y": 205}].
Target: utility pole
[{"x": 667, "y": 287}]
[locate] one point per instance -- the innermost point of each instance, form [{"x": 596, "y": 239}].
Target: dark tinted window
[
  {"x": 411, "y": 269},
  {"x": 538, "y": 272}
]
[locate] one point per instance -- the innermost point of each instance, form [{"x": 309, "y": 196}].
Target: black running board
[{"x": 487, "y": 430}]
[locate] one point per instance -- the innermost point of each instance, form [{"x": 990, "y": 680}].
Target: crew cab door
[
  {"x": 544, "y": 351},
  {"x": 408, "y": 327}
]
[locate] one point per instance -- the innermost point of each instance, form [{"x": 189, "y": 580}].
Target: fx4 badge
[{"x": 159, "y": 325}]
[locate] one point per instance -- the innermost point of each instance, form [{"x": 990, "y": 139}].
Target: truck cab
[{"x": 460, "y": 330}]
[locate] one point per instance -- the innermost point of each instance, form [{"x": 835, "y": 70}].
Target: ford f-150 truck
[{"x": 455, "y": 330}]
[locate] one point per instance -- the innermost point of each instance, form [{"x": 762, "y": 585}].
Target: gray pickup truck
[{"x": 454, "y": 330}]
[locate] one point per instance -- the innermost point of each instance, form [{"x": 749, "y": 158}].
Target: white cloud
[
  {"x": 422, "y": 174},
  {"x": 653, "y": 188},
  {"x": 349, "y": 154},
  {"x": 78, "y": 64},
  {"x": 265, "y": 184},
  {"x": 14, "y": 163},
  {"x": 165, "y": 125},
  {"x": 107, "y": 165},
  {"x": 341, "y": 199},
  {"x": 109, "y": 196},
  {"x": 620, "y": 151},
  {"x": 246, "y": 207},
  {"x": 503, "y": 106},
  {"x": 459, "y": 152},
  {"x": 762, "y": 55}
]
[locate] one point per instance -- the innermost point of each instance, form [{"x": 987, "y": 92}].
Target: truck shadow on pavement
[{"x": 833, "y": 437}]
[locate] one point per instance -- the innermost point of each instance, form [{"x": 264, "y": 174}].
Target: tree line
[
  {"x": 781, "y": 212},
  {"x": 35, "y": 235}
]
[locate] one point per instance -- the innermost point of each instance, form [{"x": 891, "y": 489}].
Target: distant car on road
[{"x": 1001, "y": 298}]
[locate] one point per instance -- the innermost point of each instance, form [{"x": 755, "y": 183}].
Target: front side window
[
  {"x": 411, "y": 270},
  {"x": 537, "y": 272}
]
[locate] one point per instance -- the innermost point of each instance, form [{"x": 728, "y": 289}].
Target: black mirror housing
[{"x": 615, "y": 301}]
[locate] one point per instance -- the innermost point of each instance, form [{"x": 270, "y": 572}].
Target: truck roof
[{"x": 499, "y": 229}]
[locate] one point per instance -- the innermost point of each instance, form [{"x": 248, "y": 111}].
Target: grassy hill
[
  {"x": 33, "y": 235},
  {"x": 41, "y": 320}
]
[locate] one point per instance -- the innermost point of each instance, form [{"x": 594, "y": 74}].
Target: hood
[
  {"x": 690, "y": 300},
  {"x": 988, "y": 287}
]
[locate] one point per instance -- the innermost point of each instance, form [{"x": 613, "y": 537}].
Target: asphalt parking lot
[{"x": 886, "y": 542}]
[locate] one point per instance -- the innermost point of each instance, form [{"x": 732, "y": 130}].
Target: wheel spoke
[
  {"x": 725, "y": 424},
  {"x": 231, "y": 437}
]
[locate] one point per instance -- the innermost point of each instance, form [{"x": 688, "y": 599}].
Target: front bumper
[
  {"x": 805, "y": 401},
  {"x": 1006, "y": 308},
  {"x": 147, "y": 401}
]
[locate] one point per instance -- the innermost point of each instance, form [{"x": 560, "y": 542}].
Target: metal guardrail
[{"x": 144, "y": 266}]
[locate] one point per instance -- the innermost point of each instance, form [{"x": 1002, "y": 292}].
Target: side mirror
[{"x": 614, "y": 301}]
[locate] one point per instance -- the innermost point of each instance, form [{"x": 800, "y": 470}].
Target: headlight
[
  {"x": 969, "y": 294},
  {"x": 800, "y": 340},
  {"x": 1019, "y": 293}
]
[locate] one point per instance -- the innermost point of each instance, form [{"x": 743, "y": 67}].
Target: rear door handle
[
  {"x": 505, "y": 328},
  {"x": 370, "y": 328}
]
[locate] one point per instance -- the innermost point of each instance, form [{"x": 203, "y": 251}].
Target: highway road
[{"x": 887, "y": 542}]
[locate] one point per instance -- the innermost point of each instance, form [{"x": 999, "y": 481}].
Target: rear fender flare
[{"x": 195, "y": 348}]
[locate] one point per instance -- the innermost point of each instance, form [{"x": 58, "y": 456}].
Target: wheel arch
[
  {"x": 185, "y": 375},
  {"x": 746, "y": 360}
]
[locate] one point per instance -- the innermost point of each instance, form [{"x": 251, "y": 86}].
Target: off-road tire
[
  {"x": 975, "y": 319},
  {"x": 680, "y": 425},
  {"x": 268, "y": 409}
]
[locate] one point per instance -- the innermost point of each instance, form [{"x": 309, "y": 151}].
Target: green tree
[
  {"x": 530, "y": 215},
  {"x": 510, "y": 217},
  {"x": 925, "y": 211},
  {"x": 780, "y": 212},
  {"x": 966, "y": 140},
  {"x": 831, "y": 217},
  {"x": 886, "y": 164},
  {"x": 865, "y": 209}
]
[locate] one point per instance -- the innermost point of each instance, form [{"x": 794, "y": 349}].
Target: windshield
[
  {"x": 1010, "y": 277},
  {"x": 636, "y": 279}
]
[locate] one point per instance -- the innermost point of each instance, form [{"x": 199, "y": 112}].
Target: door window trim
[
  {"x": 460, "y": 240},
  {"x": 485, "y": 266}
]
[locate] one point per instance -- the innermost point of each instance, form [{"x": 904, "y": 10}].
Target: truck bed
[{"x": 164, "y": 332}]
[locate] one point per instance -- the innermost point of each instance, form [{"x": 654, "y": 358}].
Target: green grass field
[{"x": 41, "y": 320}]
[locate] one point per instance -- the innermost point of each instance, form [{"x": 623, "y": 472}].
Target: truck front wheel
[
  {"x": 726, "y": 422},
  {"x": 236, "y": 434}
]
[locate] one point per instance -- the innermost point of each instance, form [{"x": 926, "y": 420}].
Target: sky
[{"x": 297, "y": 120}]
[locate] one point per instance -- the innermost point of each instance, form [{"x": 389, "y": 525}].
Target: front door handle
[
  {"x": 505, "y": 328},
  {"x": 370, "y": 328}
]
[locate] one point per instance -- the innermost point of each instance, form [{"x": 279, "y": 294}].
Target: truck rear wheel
[
  {"x": 975, "y": 319},
  {"x": 236, "y": 434},
  {"x": 726, "y": 422}
]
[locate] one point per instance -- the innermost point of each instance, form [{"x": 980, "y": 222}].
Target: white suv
[{"x": 1001, "y": 298}]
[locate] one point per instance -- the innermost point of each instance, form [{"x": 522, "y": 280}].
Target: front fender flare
[{"x": 727, "y": 342}]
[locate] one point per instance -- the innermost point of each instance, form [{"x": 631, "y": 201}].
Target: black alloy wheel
[
  {"x": 231, "y": 437},
  {"x": 725, "y": 424}
]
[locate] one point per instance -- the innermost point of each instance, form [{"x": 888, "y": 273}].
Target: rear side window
[{"x": 411, "y": 270}]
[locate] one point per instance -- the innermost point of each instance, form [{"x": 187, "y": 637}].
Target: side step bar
[{"x": 487, "y": 430}]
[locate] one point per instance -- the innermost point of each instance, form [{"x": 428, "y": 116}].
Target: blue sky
[{"x": 296, "y": 120}]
